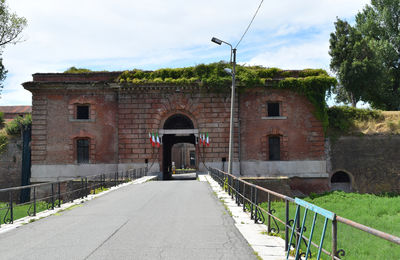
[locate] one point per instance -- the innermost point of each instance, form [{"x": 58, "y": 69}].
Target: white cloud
[{"x": 124, "y": 34}]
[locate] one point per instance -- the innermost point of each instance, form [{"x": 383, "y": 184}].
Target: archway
[
  {"x": 177, "y": 129},
  {"x": 341, "y": 181}
]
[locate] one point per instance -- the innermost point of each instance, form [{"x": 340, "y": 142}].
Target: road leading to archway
[{"x": 155, "y": 220}]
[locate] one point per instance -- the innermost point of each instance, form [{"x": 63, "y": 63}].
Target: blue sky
[{"x": 126, "y": 34}]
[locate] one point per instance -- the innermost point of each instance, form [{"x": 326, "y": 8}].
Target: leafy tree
[
  {"x": 380, "y": 24},
  {"x": 366, "y": 57},
  {"x": 11, "y": 27},
  {"x": 354, "y": 62}
]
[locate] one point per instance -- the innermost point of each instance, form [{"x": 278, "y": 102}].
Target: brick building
[
  {"x": 88, "y": 123},
  {"x": 11, "y": 112}
]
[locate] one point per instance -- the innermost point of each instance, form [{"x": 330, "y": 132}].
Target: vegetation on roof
[
  {"x": 78, "y": 70},
  {"x": 313, "y": 83},
  {"x": 213, "y": 75}
]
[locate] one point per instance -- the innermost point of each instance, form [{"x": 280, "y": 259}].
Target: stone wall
[
  {"x": 11, "y": 163},
  {"x": 373, "y": 162}
]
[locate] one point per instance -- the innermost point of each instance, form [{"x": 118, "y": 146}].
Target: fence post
[
  {"x": 298, "y": 226},
  {"x": 11, "y": 208},
  {"x": 269, "y": 216},
  {"x": 34, "y": 201},
  {"x": 251, "y": 202},
  {"x": 82, "y": 188},
  {"x": 287, "y": 224},
  {"x": 59, "y": 194},
  {"x": 334, "y": 238},
  {"x": 255, "y": 206},
  {"x": 86, "y": 187},
  {"x": 238, "y": 192},
  {"x": 52, "y": 196},
  {"x": 244, "y": 197}
]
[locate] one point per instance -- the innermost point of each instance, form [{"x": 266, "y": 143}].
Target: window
[
  {"x": 82, "y": 149},
  {"x": 274, "y": 148},
  {"x": 82, "y": 112},
  {"x": 273, "y": 109}
]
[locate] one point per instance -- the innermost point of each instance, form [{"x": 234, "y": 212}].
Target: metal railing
[
  {"x": 52, "y": 194},
  {"x": 247, "y": 195}
]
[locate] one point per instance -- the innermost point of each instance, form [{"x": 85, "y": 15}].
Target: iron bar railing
[
  {"x": 246, "y": 193},
  {"x": 50, "y": 195}
]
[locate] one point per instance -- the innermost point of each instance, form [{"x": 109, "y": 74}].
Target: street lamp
[{"x": 233, "y": 72}]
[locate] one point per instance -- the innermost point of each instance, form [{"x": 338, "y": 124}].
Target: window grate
[{"x": 82, "y": 148}]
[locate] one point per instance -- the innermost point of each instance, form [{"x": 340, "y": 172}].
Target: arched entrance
[
  {"x": 177, "y": 129},
  {"x": 341, "y": 181}
]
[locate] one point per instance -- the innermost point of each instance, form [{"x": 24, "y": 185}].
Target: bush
[
  {"x": 3, "y": 142},
  {"x": 342, "y": 118},
  {"x": 14, "y": 127},
  {"x": 1, "y": 120}
]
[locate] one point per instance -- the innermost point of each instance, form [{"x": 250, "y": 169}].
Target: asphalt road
[{"x": 154, "y": 220}]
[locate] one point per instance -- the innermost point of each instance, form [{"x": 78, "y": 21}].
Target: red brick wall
[
  {"x": 142, "y": 112},
  {"x": 54, "y": 129},
  {"x": 302, "y": 136},
  {"x": 39, "y": 129},
  {"x": 121, "y": 120}
]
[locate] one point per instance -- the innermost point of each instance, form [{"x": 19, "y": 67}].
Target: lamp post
[{"x": 233, "y": 61}]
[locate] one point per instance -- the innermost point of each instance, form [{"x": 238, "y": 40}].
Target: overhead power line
[{"x": 249, "y": 24}]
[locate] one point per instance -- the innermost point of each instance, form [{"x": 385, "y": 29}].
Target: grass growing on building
[
  {"x": 312, "y": 83},
  {"x": 379, "y": 212}
]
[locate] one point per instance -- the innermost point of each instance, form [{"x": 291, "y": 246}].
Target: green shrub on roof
[{"x": 313, "y": 83}]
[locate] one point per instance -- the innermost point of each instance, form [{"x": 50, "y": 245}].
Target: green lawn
[
  {"x": 20, "y": 211},
  {"x": 379, "y": 212}
]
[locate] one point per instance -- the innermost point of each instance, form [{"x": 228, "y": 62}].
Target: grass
[
  {"x": 379, "y": 212},
  {"x": 98, "y": 190},
  {"x": 20, "y": 211},
  {"x": 389, "y": 124}
]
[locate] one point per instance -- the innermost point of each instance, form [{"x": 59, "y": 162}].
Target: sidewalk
[{"x": 267, "y": 247}]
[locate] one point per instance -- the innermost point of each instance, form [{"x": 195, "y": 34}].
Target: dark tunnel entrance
[{"x": 178, "y": 129}]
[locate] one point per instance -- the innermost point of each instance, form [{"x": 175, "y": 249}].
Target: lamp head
[
  {"x": 216, "y": 40},
  {"x": 228, "y": 70}
]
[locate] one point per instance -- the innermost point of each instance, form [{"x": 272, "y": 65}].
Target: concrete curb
[
  {"x": 266, "y": 247},
  {"x": 26, "y": 220}
]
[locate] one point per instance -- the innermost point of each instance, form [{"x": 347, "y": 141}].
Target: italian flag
[
  {"x": 158, "y": 141},
  {"x": 204, "y": 139},
  {"x": 153, "y": 140},
  {"x": 207, "y": 140}
]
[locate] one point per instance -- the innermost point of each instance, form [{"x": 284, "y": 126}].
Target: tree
[
  {"x": 354, "y": 63},
  {"x": 380, "y": 24},
  {"x": 11, "y": 27}
]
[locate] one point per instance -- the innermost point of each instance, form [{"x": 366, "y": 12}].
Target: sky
[{"x": 126, "y": 34}]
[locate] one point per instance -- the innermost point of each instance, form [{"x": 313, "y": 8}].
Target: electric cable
[{"x": 249, "y": 24}]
